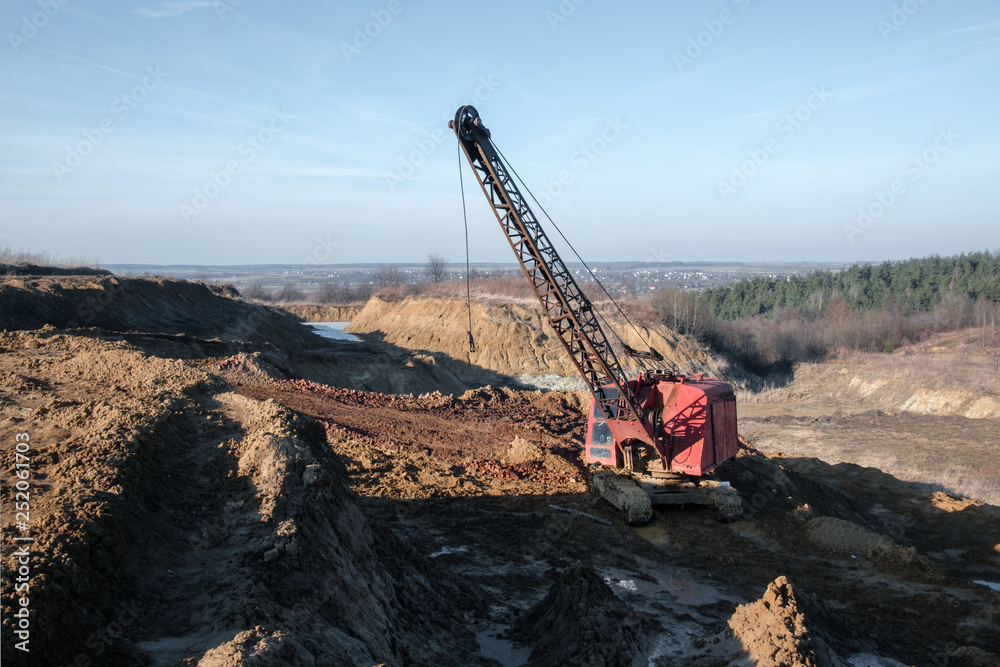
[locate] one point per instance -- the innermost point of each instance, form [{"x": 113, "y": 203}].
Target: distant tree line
[
  {"x": 333, "y": 291},
  {"x": 912, "y": 286},
  {"x": 875, "y": 308}
]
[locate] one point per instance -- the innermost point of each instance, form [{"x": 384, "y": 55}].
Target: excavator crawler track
[
  {"x": 729, "y": 503},
  {"x": 637, "y": 494},
  {"x": 622, "y": 492}
]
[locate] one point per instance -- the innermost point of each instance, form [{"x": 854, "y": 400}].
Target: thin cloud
[
  {"x": 973, "y": 28},
  {"x": 70, "y": 56},
  {"x": 167, "y": 9},
  {"x": 759, "y": 114}
]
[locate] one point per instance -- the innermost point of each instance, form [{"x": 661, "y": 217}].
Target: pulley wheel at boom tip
[{"x": 467, "y": 114}]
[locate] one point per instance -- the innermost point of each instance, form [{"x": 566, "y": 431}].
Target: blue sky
[{"x": 224, "y": 132}]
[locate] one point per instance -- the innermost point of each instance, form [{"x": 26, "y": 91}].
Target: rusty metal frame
[{"x": 569, "y": 312}]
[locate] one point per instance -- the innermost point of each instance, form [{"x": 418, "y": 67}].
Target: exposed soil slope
[
  {"x": 927, "y": 413},
  {"x": 319, "y": 313},
  {"x": 952, "y": 374},
  {"x": 512, "y": 338},
  {"x": 191, "y": 320},
  {"x": 150, "y": 305},
  {"x": 214, "y": 528}
]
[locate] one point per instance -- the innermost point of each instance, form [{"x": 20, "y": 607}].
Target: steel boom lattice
[{"x": 569, "y": 312}]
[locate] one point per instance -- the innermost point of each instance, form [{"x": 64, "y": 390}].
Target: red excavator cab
[{"x": 692, "y": 418}]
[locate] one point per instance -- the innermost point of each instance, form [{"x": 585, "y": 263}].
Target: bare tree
[
  {"x": 290, "y": 292},
  {"x": 327, "y": 292},
  {"x": 436, "y": 268},
  {"x": 255, "y": 292},
  {"x": 388, "y": 275}
]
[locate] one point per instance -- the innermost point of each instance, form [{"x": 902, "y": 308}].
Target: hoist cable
[
  {"x": 468, "y": 272},
  {"x": 589, "y": 270}
]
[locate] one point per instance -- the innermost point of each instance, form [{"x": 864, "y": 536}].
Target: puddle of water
[
  {"x": 449, "y": 550},
  {"x": 333, "y": 330},
  {"x": 869, "y": 660},
  {"x": 502, "y": 650},
  {"x": 995, "y": 585},
  {"x": 947, "y": 554},
  {"x": 684, "y": 590}
]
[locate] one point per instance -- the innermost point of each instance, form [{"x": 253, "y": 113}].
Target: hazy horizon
[{"x": 213, "y": 132}]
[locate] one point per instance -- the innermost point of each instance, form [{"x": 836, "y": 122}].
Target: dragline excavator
[{"x": 654, "y": 438}]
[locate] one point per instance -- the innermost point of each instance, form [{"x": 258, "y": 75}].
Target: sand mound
[
  {"x": 581, "y": 622},
  {"x": 150, "y": 305},
  {"x": 525, "y": 452},
  {"x": 775, "y": 633},
  {"x": 243, "y": 368},
  {"x": 259, "y": 648},
  {"x": 488, "y": 394},
  {"x": 522, "y": 451},
  {"x": 845, "y": 538},
  {"x": 511, "y": 338}
]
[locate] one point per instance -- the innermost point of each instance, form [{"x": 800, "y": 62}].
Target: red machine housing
[{"x": 690, "y": 420}]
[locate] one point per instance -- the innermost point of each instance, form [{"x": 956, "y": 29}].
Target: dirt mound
[
  {"x": 581, "y": 622},
  {"x": 243, "y": 368},
  {"x": 511, "y": 338},
  {"x": 175, "y": 521},
  {"x": 149, "y": 305},
  {"x": 846, "y": 538},
  {"x": 522, "y": 451},
  {"x": 771, "y": 489},
  {"x": 36, "y": 270},
  {"x": 319, "y": 313},
  {"x": 775, "y": 632}
]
